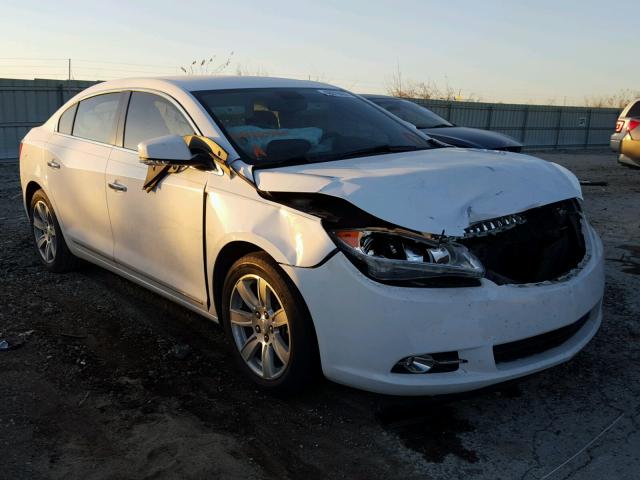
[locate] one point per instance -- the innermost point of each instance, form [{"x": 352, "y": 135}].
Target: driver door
[{"x": 157, "y": 235}]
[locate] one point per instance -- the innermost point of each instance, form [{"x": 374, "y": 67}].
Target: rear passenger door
[
  {"x": 158, "y": 234},
  {"x": 76, "y": 163}
]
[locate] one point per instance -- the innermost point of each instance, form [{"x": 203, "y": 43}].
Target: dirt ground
[{"x": 112, "y": 381}]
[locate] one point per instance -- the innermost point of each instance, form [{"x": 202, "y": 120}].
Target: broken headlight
[{"x": 398, "y": 256}]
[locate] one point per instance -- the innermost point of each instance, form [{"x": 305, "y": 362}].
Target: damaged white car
[{"x": 322, "y": 232}]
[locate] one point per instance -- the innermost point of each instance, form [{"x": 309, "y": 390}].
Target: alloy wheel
[
  {"x": 260, "y": 327},
  {"x": 44, "y": 231}
]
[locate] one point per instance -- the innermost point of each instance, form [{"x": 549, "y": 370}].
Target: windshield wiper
[{"x": 380, "y": 149}]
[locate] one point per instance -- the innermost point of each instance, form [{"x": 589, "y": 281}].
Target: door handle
[
  {"x": 118, "y": 187},
  {"x": 53, "y": 164}
]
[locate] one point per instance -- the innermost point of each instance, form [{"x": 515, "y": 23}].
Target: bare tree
[
  {"x": 317, "y": 77},
  {"x": 617, "y": 100},
  {"x": 428, "y": 90},
  {"x": 208, "y": 66},
  {"x": 244, "y": 70}
]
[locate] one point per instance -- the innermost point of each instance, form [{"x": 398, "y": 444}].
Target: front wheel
[{"x": 268, "y": 325}]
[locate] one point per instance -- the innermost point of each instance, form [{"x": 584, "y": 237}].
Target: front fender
[{"x": 290, "y": 237}]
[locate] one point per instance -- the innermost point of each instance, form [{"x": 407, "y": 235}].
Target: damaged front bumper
[{"x": 365, "y": 328}]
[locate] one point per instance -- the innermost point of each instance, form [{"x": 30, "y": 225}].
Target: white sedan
[{"x": 321, "y": 231}]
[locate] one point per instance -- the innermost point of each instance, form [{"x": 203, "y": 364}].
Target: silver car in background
[{"x": 625, "y": 141}]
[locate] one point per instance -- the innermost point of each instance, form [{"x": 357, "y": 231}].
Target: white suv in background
[{"x": 321, "y": 231}]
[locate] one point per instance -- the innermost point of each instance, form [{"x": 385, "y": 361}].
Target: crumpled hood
[{"x": 431, "y": 190}]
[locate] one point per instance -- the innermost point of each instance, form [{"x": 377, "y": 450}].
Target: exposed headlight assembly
[{"x": 398, "y": 256}]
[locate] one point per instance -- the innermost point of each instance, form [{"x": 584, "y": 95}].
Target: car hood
[
  {"x": 471, "y": 137},
  {"x": 431, "y": 190}
]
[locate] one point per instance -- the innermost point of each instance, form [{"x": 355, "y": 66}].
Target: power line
[
  {"x": 52, "y": 59},
  {"x": 123, "y": 63},
  {"x": 61, "y": 68},
  {"x": 32, "y": 58}
]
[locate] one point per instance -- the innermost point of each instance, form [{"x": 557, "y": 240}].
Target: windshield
[
  {"x": 412, "y": 113},
  {"x": 284, "y": 126}
]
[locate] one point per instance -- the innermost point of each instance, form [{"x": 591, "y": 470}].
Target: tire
[
  {"x": 260, "y": 324},
  {"x": 46, "y": 232}
]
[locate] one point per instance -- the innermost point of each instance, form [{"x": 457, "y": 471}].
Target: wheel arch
[
  {"x": 29, "y": 191},
  {"x": 227, "y": 256}
]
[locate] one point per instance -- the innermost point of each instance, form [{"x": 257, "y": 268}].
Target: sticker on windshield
[{"x": 336, "y": 93}]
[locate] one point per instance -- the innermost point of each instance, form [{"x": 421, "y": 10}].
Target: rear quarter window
[{"x": 65, "y": 124}]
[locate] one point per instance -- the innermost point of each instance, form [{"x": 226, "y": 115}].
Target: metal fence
[
  {"x": 536, "y": 126},
  {"x": 27, "y": 103}
]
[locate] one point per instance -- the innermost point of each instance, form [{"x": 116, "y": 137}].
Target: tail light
[
  {"x": 619, "y": 125},
  {"x": 20, "y": 150},
  {"x": 632, "y": 125}
]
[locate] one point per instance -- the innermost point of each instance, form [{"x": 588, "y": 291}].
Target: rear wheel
[
  {"x": 47, "y": 236},
  {"x": 268, "y": 325}
]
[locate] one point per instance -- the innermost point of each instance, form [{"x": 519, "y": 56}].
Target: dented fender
[{"x": 289, "y": 236}]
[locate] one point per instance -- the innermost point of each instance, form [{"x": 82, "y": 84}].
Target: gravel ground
[{"x": 112, "y": 381}]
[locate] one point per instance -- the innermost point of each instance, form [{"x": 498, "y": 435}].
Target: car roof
[
  {"x": 192, "y": 83},
  {"x": 181, "y": 87}
]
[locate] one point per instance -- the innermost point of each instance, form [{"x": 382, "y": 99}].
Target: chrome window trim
[
  {"x": 173, "y": 101},
  {"x": 164, "y": 95}
]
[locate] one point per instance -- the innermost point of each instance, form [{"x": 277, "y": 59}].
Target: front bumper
[{"x": 364, "y": 327}]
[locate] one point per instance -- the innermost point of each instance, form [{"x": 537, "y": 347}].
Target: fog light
[
  {"x": 429, "y": 363},
  {"x": 421, "y": 364}
]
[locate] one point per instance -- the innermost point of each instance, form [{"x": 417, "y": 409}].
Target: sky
[{"x": 536, "y": 51}]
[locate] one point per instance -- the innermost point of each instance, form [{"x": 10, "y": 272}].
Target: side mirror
[
  {"x": 204, "y": 146},
  {"x": 167, "y": 150},
  {"x": 177, "y": 151}
]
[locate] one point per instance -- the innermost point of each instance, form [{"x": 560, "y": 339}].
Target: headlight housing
[{"x": 397, "y": 256}]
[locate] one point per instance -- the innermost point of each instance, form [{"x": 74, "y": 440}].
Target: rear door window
[
  {"x": 151, "y": 116},
  {"x": 96, "y": 118},
  {"x": 65, "y": 124}
]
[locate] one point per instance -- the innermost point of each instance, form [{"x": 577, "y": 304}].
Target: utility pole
[{"x": 69, "y": 69}]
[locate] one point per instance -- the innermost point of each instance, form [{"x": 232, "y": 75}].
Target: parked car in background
[
  {"x": 320, "y": 231},
  {"x": 625, "y": 141},
  {"x": 437, "y": 127}
]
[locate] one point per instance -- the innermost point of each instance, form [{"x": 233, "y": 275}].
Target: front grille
[
  {"x": 508, "y": 352},
  {"x": 537, "y": 245},
  {"x": 491, "y": 227}
]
